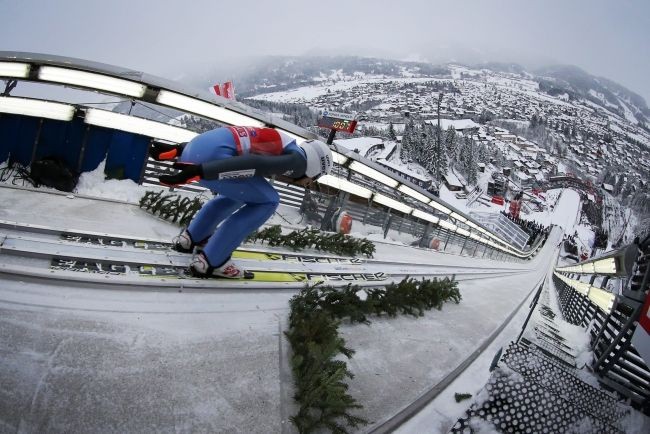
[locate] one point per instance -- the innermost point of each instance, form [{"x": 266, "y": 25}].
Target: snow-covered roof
[
  {"x": 458, "y": 124},
  {"x": 360, "y": 144},
  {"x": 410, "y": 169},
  {"x": 522, "y": 176},
  {"x": 388, "y": 148},
  {"x": 529, "y": 154},
  {"x": 532, "y": 164},
  {"x": 452, "y": 180}
]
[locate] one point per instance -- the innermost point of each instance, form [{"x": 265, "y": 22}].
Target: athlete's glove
[
  {"x": 161, "y": 151},
  {"x": 188, "y": 173}
]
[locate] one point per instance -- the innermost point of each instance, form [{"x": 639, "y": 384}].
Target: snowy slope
[{"x": 214, "y": 361}]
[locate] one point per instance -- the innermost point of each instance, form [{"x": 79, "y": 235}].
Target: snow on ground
[
  {"x": 547, "y": 98},
  {"x": 360, "y": 145},
  {"x": 546, "y": 216},
  {"x": 95, "y": 184},
  {"x": 215, "y": 346},
  {"x": 641, "y": 138},
  {"x": 306, "y": 94},
  {"x": 628, "y": 113},
  {"x": 441, "y": 413},
  {"x": 92, "y": 184},
  {"x": 563, "y": 211}
]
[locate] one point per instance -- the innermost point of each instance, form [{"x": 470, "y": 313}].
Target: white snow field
[{"x": 78, "y": 357}]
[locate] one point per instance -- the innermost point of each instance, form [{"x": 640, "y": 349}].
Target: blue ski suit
[{"x": 235, "y": 161}]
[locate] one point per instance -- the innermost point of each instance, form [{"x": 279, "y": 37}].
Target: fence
[
  {"x": 612, "y": 318},
  {"x": 536, "y": 385},
  {"x": 504, "y": 227}
]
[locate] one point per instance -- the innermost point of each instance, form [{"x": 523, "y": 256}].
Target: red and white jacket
[{"x": 260, "y": 141}]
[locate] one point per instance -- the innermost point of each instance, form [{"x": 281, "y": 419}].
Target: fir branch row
[
  {"x": 319, "y": 374},
  {"x": 337, "y": 243},
  {"x": 171, "y": 207}
]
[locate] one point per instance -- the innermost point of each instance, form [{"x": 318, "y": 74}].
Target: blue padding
[
  {"x": 97, "y": 144},
  {"x": 127, "y": 155},
  {"x": 17, "y": 135},
  {"x": 61, "y": 139}
]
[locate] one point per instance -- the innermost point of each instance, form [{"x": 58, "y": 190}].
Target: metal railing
[{"x": 612, "y": 316}]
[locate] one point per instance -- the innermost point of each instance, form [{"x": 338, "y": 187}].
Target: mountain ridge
[{"x": 275, "y": 73}]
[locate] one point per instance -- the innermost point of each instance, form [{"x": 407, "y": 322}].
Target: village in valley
[{"x": 524, "y": 133}]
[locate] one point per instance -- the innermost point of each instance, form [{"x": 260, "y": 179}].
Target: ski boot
[
  {"x": 200, "y": 267},
  {"x": 183, "y": 243}
]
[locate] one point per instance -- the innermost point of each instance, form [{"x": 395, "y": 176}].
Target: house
[
  {"x": 452, "y": 183},
  {"x": 511, "y": 138},
  {"x": 414, "y": 173},
  {"x": 465, "y": 126},
  {"x": 522, "y": 179},
  {"x": 532, "y": 165}
]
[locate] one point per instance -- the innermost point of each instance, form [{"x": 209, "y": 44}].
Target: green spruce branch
[
  {"x": 340, "y": 244},
  {"x": 314, "y": 319},
  {"x": 171, "y": 207}
]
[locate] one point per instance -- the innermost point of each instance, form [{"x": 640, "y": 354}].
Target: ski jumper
[{"x": 244, "y": 198}]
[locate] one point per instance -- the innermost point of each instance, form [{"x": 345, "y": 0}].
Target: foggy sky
[{"x": 174, "y": 39}]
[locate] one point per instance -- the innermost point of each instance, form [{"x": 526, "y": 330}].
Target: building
[
  {"x": 452, "y": 183},
  {"x": 412, "y": 172},
  {"x": 465, "y": 126}
]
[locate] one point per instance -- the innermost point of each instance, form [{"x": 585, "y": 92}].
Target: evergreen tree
[
  {"x": 437, "y": 153},
  {"x": 627, "y": 192},
  {"x": 607, "y": 137},
  {"x": 618, "y": 187},
  {"x": 451, "y": 145},
  {"x": 408, "y": 140},
  {"x": 424, "y": 147},
  {"x": 482, "y": 153},
  {"x": 498, "y": 158},
  {"x": 391, "y": 132},
  {"x": 470, "y": 167}
]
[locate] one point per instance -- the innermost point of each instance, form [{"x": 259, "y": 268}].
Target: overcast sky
[{"x": 173, "y": 39}]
